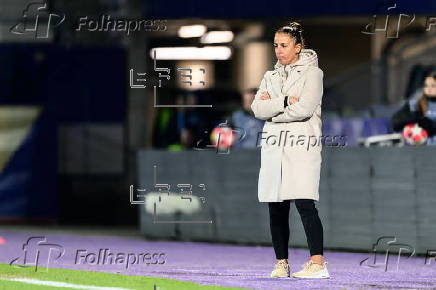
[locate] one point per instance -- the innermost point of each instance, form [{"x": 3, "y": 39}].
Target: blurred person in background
[
  {"x": 178, "y": 128},
  {"x": 165, "y": 130},
  {"x": 189, "y": 122},
  {"x": 245, "y": 123},
  {"x": 421, "y": 110},
  {"x": 290, "y": 98}
]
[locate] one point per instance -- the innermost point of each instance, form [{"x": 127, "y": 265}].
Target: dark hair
[
  {"x": 423, "y": 101},
  {"x": 294, "y": 30}
]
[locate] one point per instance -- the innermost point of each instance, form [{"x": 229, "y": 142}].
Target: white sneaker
[
  {"x": 281, "y": 270},
  {"x": 312, "y": 270}
]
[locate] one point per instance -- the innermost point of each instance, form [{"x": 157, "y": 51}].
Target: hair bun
[{"x": 294, "y": 27}]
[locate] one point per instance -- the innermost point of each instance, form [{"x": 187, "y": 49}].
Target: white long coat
[{"x": 291, "y": 137}]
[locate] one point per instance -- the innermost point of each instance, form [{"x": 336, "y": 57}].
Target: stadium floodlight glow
[
  {"x": 192, "y": 31},
  {"x": 217, "y": 37},
  {"x": 193, "y": 53}
]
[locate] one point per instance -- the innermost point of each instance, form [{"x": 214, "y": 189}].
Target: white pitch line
[{"x": 61, "y": 284}]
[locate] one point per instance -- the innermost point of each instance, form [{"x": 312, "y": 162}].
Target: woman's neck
[{"x": 294, "y": 61}]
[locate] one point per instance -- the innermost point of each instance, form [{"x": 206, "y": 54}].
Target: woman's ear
[{"x": 299, "y": 47}]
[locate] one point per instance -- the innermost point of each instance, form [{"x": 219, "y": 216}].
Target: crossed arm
[
  {"x": 266, "y": 108},
  {"x": 298, "y": 108}
]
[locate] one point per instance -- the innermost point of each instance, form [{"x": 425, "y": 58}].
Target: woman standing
[{"x": 289, "y": 99}]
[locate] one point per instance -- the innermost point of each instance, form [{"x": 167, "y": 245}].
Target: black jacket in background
[{"x": 405, "y": 116}]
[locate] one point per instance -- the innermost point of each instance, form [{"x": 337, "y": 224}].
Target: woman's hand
[
  {"x": 293, "y": 100},
  {"x": 265, "y": 96}
]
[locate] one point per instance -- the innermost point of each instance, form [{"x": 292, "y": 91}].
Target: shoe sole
[
  {"x": 312, "y": 277},
  {"x": 317, "y": 276},
  {"x": 288, "y": 276}
]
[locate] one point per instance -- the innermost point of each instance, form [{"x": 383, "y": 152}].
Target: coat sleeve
[
  {"x": 308, "y": 101},
  {"x": 266, "y": 109}
]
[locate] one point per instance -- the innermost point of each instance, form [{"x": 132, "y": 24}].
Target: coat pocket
[{"x": 270, "y": 174}]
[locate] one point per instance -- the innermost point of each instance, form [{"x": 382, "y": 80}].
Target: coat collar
[{"x": 308, "y": 57}]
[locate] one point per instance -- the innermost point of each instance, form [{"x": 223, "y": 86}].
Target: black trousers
[{"x": 279, "y": 224}]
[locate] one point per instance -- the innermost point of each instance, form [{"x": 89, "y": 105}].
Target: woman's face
[
  {"x": 285, "y": 48},
  {"x": 430, "y": 87}
]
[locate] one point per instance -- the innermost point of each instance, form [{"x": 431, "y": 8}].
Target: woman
[
  {"x": 421, "y": 111},
  {"x": 289, "y": 99}
]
